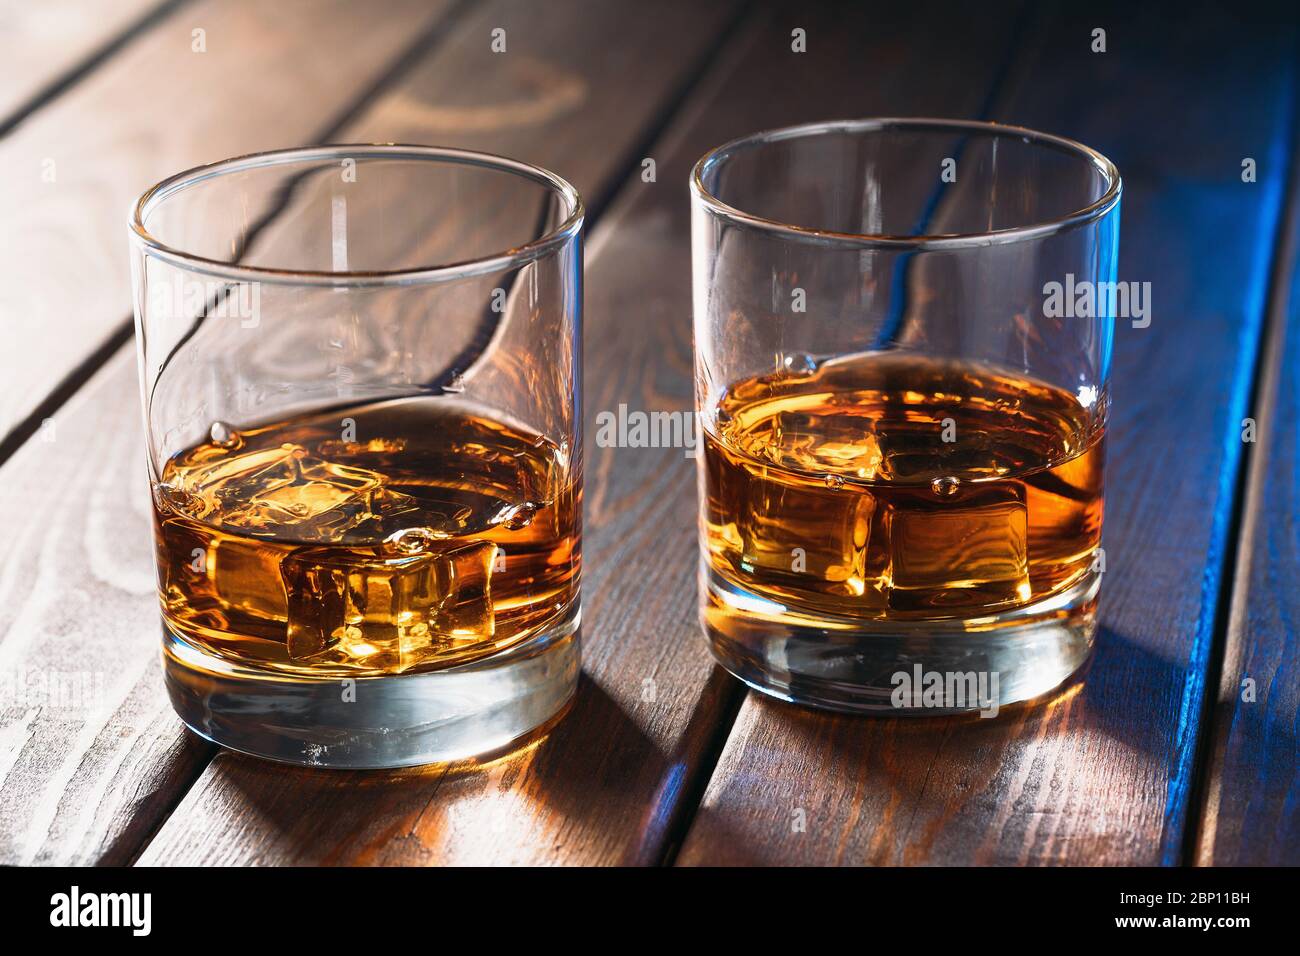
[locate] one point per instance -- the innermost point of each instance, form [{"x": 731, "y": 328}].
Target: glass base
[
  {"x": 401, "y": 720},
  {"x": 899, "y": 667}
]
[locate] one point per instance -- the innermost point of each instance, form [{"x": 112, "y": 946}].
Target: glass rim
[
  {"x": 938, "y": 241},
  {"x": 530, "y": 251}
]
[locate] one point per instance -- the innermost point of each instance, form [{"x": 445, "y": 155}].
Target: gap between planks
[
  {"x": 123, "y": 331},
  {"x": 716, "y": 58},
  {"x": 1230, "y": 632},
  {"x": 64, "y": 81}
]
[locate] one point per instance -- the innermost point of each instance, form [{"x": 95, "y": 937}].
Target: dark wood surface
[
  {"x": 664, "y": 758},
  {"x": 588, "y": 792},
  {"x": 1104, "y": 772},
  {"x": 268, "y": 76},
  {"x": 1251, "y": 812},
  {"x": 91, "y": 760}
]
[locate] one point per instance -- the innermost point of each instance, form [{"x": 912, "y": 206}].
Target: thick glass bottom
[
  {"x": 400, "y": 720},
  {"x": 899, "y": 667}
]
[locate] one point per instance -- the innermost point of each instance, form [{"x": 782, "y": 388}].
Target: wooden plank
[
  {"x": 1248, "y": 813},
  {"x": 1101, "y": 773},
  {"x": 46, "y": 42},
  {"x": 609, "y": 784},
  {"x": 90, "y": 756},
  {"x": 269, "y": 75},
  {"x": 64, "y": 594}
]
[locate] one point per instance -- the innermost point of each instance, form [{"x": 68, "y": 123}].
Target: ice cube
[
  {"x": 386, "y": 611},
  {"x": 325, "y": 497},
  {"x": 817, "y": 532},
  {"x": 285, "y": 491},
  {"x": 226, "y": 481},
  {"x": 468, "y": 615},
  {"x": 964, "y": 547},
  {"x": 257, "y": 468}
]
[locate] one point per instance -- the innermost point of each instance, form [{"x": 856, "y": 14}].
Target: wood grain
[
  {"x": 91, "y": 754},
  {"x": 271, "y": 75},
  {"x": 1248, "y": 809},
  {"x": 90, "y": 757},
  {"x": 610, "y": 783},
  {"x": 45, "y": 42},
  {"x": 1101, "y": 773},
  {"x": 237, "y": 796}
]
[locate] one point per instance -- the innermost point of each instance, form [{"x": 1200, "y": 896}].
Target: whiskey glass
[
  {"x": 360, "y": 369},
  {"x": 902, "y": 390}
]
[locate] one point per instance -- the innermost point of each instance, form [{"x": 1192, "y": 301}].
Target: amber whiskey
[
  {"x": 891, "y": 486},
  {"x": 397, "y": 536}
]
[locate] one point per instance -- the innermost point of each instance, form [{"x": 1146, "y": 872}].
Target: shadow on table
[
  {"x": 575, "y": 784},
  {"x": 798, "y": 786}
]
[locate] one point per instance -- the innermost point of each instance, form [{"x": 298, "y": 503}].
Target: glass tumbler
[
  {"x": 360, "y": 368},
  {"x": 902, "y": 346}
]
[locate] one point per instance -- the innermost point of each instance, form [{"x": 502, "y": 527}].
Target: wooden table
[{"x": 1178, "y": 747}]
